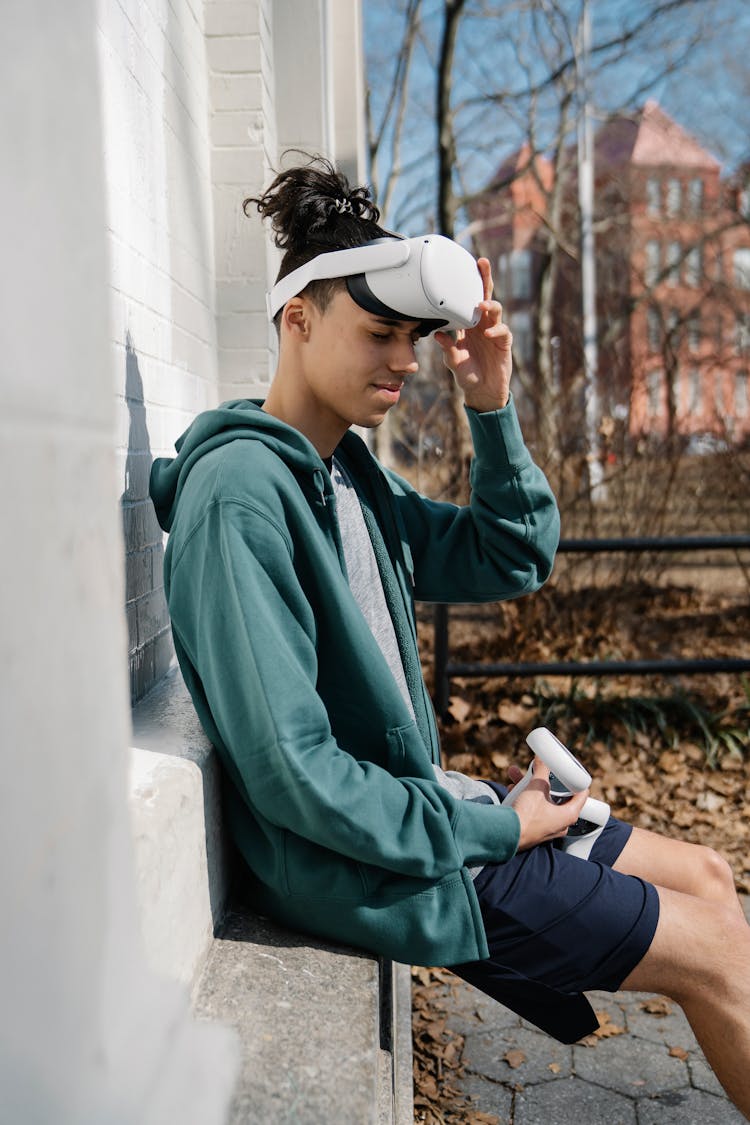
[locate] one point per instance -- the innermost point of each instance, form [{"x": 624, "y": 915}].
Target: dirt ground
[{"x": 666, "y": 753}]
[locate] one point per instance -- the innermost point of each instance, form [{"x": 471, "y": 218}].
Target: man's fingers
[
  {"x": 485, "y": 270},
  {"x": 445, "y": 340},
  {"x": 541, "y": 770},
  {"x": 574, "y": 806}
]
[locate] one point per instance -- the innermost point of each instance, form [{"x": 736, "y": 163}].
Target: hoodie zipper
[
  {"x": 327, "y": 501},
  {"x": 320, "y": 487}
]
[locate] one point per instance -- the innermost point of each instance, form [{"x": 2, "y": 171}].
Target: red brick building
[{"x": 673, "y": 279}]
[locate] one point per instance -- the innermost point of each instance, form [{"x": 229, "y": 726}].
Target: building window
[
  {"x": 741, "y": 403},
  {"x": 520, "y": 274},
  {"x": 523, "y": 337},
  {"x": 741, "y": 263},
  {"x": 694, "y": 332},
  {"x": 674, "y": 253},
  {"x": 653, "y": 329},
  {"x": 674, "y": 197},
  {"x": 674, "y": 329},
  {"x": 503, "y": 276},
  {"x": 719, "y": 336},
  {"x": 695, "y": 398},
  {"x": 653, "y": 393},
  {"x": 653, "y": 196},
  {"x": 719, "y": 395},
  {"x": 694, "y": 266},
  {"x": 696, "y": 196},
  {"x": 653, "y": 261}
]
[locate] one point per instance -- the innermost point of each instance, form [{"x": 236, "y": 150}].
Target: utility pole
[{"x": 592, "y": 408}]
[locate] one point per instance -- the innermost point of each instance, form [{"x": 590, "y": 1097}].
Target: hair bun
[
  {"x": 314, "y": 206},
  {"x": 358, "y": 203}
]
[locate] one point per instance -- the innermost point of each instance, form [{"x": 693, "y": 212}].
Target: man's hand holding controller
[{"x": 552, "y": 799}]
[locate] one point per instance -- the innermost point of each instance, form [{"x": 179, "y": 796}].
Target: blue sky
[{"x": 694, "y": 63}]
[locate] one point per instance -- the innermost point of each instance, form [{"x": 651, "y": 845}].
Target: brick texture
[
  {"x": 159, "y": 191},
  {"x": 243, "y": 147}
]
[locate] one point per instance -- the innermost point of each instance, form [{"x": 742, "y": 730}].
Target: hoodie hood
[{"x": 240, "y": 419}]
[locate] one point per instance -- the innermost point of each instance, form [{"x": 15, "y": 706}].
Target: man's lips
[{"x": 389, "y": 388}]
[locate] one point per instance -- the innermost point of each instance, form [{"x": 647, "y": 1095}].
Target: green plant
[{"x": 674, "y": 717}]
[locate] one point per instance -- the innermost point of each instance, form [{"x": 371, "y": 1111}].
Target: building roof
[
  {"x": 515, "y": 199},
  {"x": 650, "y": 138},
  {"x": 517, "y": 168}
]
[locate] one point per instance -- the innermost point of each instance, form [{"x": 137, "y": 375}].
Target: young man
[{"x": 291, "y": 572}]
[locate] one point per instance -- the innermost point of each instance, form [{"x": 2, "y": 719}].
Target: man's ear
[{"x": 296, "y": 317}]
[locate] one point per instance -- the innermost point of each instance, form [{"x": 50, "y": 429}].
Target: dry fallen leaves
[
  {"x": 514, "y": 1057},
  {"x": 606, "y": 1030},
  {"x": 437, "y": 1052},
  {"x": 651, "y": 778},
  {"x": 516, "y": 714},
  {"x": 658, "y": 1006},
  {"x": 459, "y": 708}
]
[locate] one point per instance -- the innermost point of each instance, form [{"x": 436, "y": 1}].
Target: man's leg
[
  {"x": 678, "y": 865},
  {"x": 700, "y": 954}
]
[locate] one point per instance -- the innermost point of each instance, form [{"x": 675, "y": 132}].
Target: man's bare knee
[
  {"x": 715, "y": 877},
  {"x": 693, "y": 869}
]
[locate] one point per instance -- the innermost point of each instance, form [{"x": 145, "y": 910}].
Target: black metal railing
[{"x": 445, "y": 669}]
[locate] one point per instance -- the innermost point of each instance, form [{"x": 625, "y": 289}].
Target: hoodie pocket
[
  {"x": 406, "y": 750},
  {"x": 319, "y": 873}
]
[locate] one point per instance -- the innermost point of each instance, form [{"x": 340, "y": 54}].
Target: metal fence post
[{"x": 441, "y": 684}]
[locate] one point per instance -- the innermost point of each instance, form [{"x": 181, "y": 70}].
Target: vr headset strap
[{"x": 338, "y": 263}]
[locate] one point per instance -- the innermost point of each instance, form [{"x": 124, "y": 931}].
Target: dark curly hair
[{"x": 314, "y": 209}]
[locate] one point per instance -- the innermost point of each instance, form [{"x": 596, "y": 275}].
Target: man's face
[{"x": 355, "y": 363}]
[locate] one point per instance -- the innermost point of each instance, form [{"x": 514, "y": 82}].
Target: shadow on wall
[{"x": 149, "y": 639}]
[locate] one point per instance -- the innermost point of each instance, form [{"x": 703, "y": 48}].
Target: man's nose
[{"x": 404, "y": 359}]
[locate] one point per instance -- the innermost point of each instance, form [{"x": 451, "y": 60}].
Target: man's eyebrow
[{"x": 394, "y": 323}]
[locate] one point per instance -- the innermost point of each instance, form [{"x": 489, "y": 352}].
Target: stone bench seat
[{"x": 324, "y": 1031}]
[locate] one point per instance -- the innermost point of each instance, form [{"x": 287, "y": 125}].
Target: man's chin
[{"x": 371, "y": 421}]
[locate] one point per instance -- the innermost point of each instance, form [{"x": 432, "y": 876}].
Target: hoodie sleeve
[
  {"x": 499, "y": 546},
  {"x": 243, "y": 622}
]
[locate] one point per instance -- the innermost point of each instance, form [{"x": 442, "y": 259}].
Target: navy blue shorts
[{"x": 558, "y": 926}]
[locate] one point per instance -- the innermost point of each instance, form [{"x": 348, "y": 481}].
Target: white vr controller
[{"x": 567, "y": 776}]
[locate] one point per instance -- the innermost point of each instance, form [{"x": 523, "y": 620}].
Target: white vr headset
[{"x": 430, "y": 279}]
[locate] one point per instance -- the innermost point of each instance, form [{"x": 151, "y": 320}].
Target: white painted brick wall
[
  {"x": 159, "y": 192},
  {"x": 243, "y": 150}
]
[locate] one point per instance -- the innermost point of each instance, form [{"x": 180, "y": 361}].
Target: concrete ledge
[
  {"x": 321, "y": 1027},
  {"x": 325, "y": 1031},
  {"x": 402, "y": 1068},
  {"x": 175, "y": 807}
]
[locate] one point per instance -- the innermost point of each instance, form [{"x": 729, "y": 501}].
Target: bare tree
[
  {"x": 508, "y": 74},
  {"x": 447, "y": 151},
  {"x": 385, "y": 125}
]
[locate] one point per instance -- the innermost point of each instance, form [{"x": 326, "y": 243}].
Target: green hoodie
[{"x": 331, "y": 797}]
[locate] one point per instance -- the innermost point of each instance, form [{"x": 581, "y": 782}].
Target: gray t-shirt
[{"x": 367, "y": 588}]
